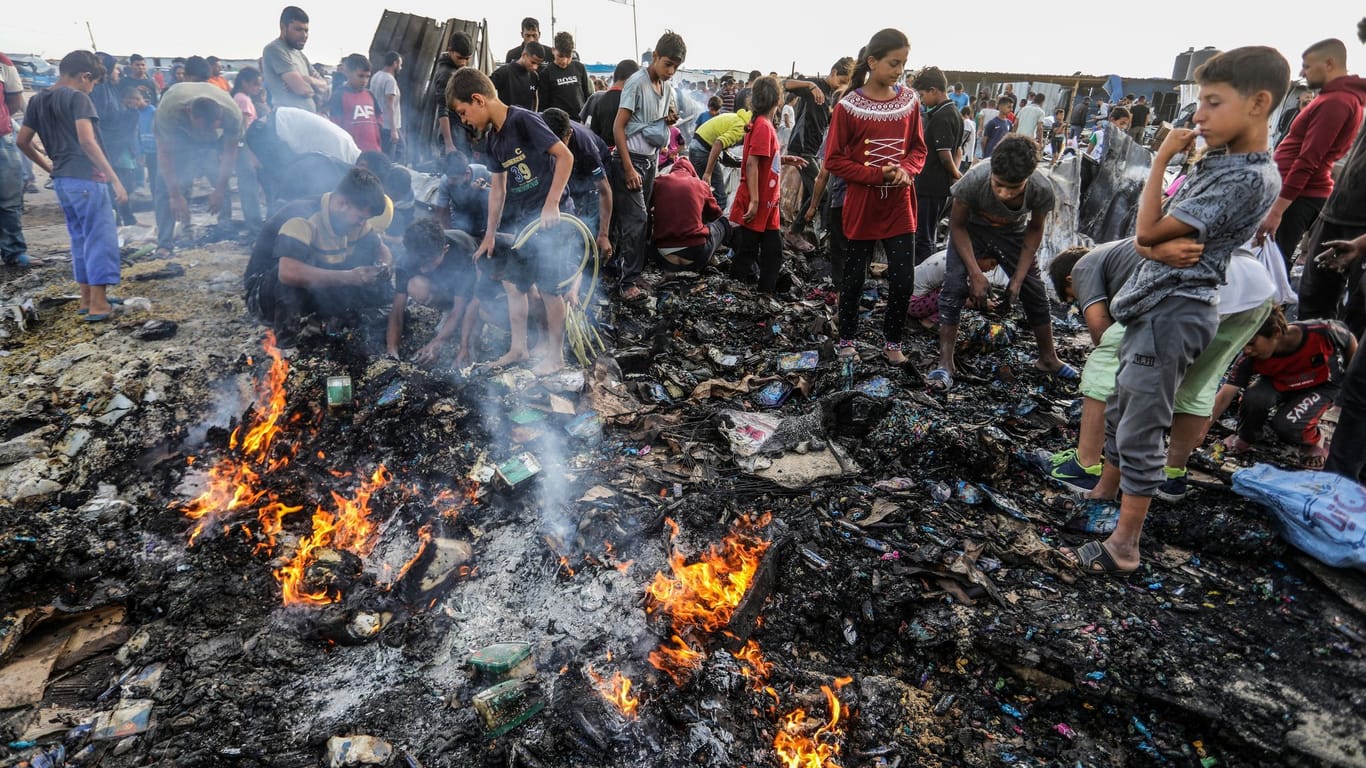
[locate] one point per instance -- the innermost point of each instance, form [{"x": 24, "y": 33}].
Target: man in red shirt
[
  {"x": 353, "y": 107},
  {"x": 1321, "y": 134},
  {"x": 689, "y": 225}
]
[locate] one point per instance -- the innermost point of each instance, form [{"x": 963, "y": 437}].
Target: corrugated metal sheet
[{"x": 420, "y": 40}]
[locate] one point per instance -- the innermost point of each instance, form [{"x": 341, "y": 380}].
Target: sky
[{"x": 1006, "y": 35}]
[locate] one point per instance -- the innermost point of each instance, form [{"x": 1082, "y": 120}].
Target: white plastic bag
[{"x": 1269, "y": 254}]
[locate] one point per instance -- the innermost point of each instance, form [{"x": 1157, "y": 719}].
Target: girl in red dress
[{"x": 875, "y": 145}]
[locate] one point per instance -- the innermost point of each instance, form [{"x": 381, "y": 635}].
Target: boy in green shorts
[{"x": 1090, "y": 279}]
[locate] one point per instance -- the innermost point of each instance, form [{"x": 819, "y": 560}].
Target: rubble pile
[{"x": 715, "y": 546}]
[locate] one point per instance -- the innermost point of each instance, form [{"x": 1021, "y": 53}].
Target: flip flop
[
  {"x": 939, "y": 380},
  {"x": 111, "y": 299},
  {"x": 1093, "y": 553},
  {"x": 1313, "y": 456},
  {"x": 1066, "y": 373},
  {"x": 98, "y": 318}
]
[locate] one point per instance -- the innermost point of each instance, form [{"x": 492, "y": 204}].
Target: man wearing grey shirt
[
  {"x": 288, "y": 75},
  {"x": 384, "y": 87}
]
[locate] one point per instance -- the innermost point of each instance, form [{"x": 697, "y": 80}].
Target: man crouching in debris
[
  {"x": 321, "y": 257},
  {"x": 998, "y": 208}
]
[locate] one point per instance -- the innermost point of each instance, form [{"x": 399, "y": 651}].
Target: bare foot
[
  {"x": 548, "y": 366},
  {"x": 895, "y": 356},
  {"x": 929, "y": 324},
  {"x": 1102, "y": 494},
  {"x": 513, "y": 356},
  {"x": 1313, "y": 456}
]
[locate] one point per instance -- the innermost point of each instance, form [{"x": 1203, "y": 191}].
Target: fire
[
  {"x": 234, "y": 482},
  {"x": 424, "y": 537},
  {"x": 616, "y": 690},
  {"x": 349, "y": 528},
  {"x": 677, "y": 662},
  {"x": 704, "y": 594},
  {"x": 820, "y": 749},
  {"x": 753, "y": 665}
]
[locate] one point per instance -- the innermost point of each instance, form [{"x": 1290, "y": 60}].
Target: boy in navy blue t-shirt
[
  {"x": 531, "y": 168},
  {"x": 588, "y": 185}
]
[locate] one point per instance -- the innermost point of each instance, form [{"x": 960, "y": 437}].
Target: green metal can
[{"x": 338, "y": 391}]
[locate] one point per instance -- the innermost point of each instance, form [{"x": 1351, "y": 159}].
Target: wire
[{"x": 581, "y": 333}]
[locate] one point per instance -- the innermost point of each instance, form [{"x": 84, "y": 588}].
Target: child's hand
[
  {"x": 1178, "y": 141},
  {"x": 1181, "y": 253},
  {"x": 121, "y": 194},
  {"x": 550, "y": 215},
  {"x": 811, "y": 211},
  {"x": 752, "y": 211},
  {"x": 605, "y": 246},
  {"x": 485, "y": 248},
  {"x": 428, "y": 354}
]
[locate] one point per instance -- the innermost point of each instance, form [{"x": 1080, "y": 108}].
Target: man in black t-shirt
[
  {"x": 137, "y": 67},
  {"x": 600, "y": 113},
  {"x": 564, "y": 81},
  {"x": 1138, "y": 119},
  {"x": 518, "y": 83},
  {"x": 813, "y": 119},
  {"x": 943, "y": 135},
  {"x": 531, "y": 33}
]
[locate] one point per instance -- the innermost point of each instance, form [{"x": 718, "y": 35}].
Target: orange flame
[
  {"x": 705, "y": 594},
  {"x": 424, "y": 537},
  {"x": 349, "y": 528},
  {"x": 616, "y": 690},
  {"x": 820, "y": 749},
  {"x": 702, "y": 596},
  {"x": 233, "y": 482},
  {"x": 678, "y": 662},
  {"x": 753, "y": 665}
]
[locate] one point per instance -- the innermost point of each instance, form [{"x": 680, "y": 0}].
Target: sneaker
[
  {"x": 1175, "y": 487},
  {"x": 1070, "y": 473},
  {"x": 22, "y": 260}
]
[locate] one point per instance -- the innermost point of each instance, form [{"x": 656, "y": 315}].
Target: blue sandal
[{"x": 939, "y": 380}]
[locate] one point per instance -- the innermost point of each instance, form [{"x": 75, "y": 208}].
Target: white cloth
[
  {"x": 929, "y": 275},
  {"x": 304, "y": 132},
  {"x": 969, "y": 140}
]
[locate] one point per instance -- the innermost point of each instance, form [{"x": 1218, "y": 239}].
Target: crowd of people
[{"x": 671, "y": 176}]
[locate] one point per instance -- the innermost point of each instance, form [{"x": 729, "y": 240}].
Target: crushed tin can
[
  {"x": 519, "y": 469},
  {"x": 339, "y": 393},
  {"x": 774, "y": 394}
]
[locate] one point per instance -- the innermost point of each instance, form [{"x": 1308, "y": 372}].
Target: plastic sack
[
  {"x": 1269, "y": 254},
  {"x": 1321, "y": 513}
]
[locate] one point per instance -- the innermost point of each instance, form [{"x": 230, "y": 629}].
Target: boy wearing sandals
[
  {"x": 1300, "y": 368},
  {"x": 64, "y": 118},
  {"x": 999, "y": 207},
  {"x": 1170, "y": 311}
]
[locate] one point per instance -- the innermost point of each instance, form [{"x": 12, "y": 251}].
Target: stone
[
  {"x": 155, "y": 330},
  {"x": 22, "y": 447}
]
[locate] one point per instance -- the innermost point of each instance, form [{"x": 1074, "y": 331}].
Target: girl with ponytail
[{"x": 875, "y": 145}]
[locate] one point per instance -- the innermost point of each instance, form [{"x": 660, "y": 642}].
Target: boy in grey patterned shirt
[{"x": 1169, "y": 307}]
